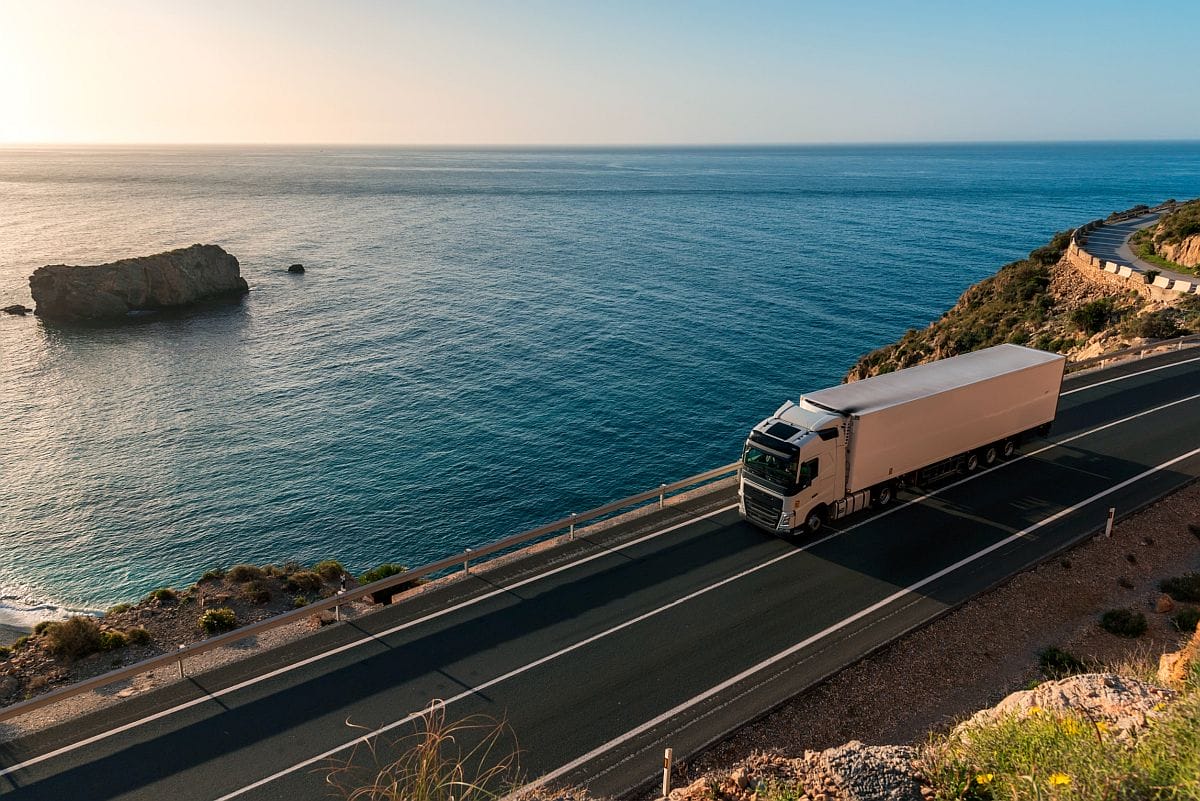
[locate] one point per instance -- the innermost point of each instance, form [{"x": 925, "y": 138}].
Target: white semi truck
[{"x": 846, "y": 448}]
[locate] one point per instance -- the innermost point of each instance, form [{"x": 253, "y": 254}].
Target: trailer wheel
[
  {"x": 815, "y": 520},
  {"x": 1008, "y": 448},
  {"x": 972, "y": 462},
  {"x": 884, "y": 495},
  {"x": 990, "y": 455}
]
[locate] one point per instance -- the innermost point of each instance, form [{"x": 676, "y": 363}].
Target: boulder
[
  {"x": 16, "y": 308},
  {"x": 296, "y": 268},
  {"x": 107, "y": 291}
]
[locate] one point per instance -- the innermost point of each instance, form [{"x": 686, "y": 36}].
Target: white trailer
[{"x": 848, "y": 447}]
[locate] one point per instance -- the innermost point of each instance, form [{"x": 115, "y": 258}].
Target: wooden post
[
  {"x": 1112, "y": 513},
  {"x": 667, "y": 772}
]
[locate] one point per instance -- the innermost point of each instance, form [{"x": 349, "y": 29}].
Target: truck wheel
[
  {"x": 884, "y": 495},
  {"x": 1008, "y": 448},
  {"x": 972, "y": 462},
  {"x": 990, "y": 455},
  {"x": 815, "y": 520}
]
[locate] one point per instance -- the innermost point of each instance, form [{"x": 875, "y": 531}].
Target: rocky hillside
[
  {"x": 1045, "y": 302},
  {"x": 1175, "y": 238}
]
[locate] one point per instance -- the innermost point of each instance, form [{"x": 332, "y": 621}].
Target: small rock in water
[
  {"x": 16, "y": 308},
  {"x": 296, "y": 268}
]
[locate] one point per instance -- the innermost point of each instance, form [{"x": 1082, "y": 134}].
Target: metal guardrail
[
  {"x": 565, "y": 524},
  {"x": 1142, "y": 351}
]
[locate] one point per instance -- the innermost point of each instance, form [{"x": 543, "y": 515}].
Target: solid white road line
[
  {"x": 348, "y": 646},
  {"x": 1131, "y": 375},
  {"x": 371, "y": 638},
  {"x": 697, "y": 593},
  {"x": 768, "y": 662}
]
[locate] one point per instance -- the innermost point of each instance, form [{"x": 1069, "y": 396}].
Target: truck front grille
[{"x": 762, "y": 508}]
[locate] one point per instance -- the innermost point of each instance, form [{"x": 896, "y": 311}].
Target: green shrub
[
  {"x": 304, "y": 581},
  {"x": 1123, "y": 622},
  {"x": 5, "y": 652},
  {"x": 299, "y": 601},
  {"x": 1150, "y": 275},
  {"x": 111, "y": 640},
  {"x": 43, "y": 626},
  {"x": 256, "y": 591},
  {"x": 291, "y": 566},
  {"x": 1182, "y": 588},
  {"x": 1055, "y": 663},
  {"x": 20, "y": 642},
  {"x": 214, "y": 621},
  {"x": 137, "y": 636},
  {"x": 1161, "y": 324},
  {"x": 74, "y": 638},
  {"x": 381, "y": 572},
  {"x": 1093, "y": 316},
  {"x": 274, "y": 571},
  {"x": 118, "y": 609},
  {"x": 216, "y": 574},
  {"x": 163, "y": 595},
  {"x": 330, "y": 569},
  {"x": 240, "y": 574},
  {"x": 1186, "y": 619}
]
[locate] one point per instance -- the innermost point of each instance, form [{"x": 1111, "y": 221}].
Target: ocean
[{"x": 484, "y": 340}]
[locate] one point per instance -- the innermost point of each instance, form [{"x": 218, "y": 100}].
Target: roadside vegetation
[
  {"x": 472, "y": 759},
  {"x": 1154, "y": 244},
  {"x": 1044, "y": 756}
]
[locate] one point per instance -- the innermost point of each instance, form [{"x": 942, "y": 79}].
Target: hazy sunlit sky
[{"x": 644, "y": 72}]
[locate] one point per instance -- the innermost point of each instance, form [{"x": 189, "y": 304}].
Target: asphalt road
[
  {"x": 1111, "y": 243},
  {"x": 672, "y": 632}
]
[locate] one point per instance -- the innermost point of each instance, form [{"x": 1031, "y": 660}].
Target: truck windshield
[{"x": 770, "y": 468}]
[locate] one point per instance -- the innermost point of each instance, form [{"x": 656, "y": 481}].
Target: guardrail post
[
  {"x": 662, "y": 495},
  {"x": 667, "y": 755},
  {"x": 571, "y": 534},
  {"x": 1112, "y": 513},
  {"x": 467, "y": 560}
]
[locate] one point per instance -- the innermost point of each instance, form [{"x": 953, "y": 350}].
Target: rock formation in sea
[
  {"x": 16, "y": 308},
  {"x": 296, "y": 268},
  {"x": 106, "y": 291}
]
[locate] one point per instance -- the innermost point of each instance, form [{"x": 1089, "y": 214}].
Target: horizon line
[{"x": 592, "y": 146}]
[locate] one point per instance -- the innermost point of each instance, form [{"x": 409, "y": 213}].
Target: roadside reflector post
[
  {"x": 667, "y": 771},
  {"x": 662, "y": 495},
  {"x": 1112, "y": 513},
  {"x": 571, "y": 535},
  {"x": 181, "y": 647},
  {"x": 466, "y": 560}
]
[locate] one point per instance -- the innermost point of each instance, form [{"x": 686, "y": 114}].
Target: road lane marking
[
  {"x": 1131, "y": 375},
  {"x": 697, "y": 593},
  {"x": 215, "y": 694},
  {"x": 367, "y": 638},
  {"x": 784, "y": 654}
]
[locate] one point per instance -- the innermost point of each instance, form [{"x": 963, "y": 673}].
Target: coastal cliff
[
  {"x": 107, "y": 291},
  {"x": 1045, "y": 301}
]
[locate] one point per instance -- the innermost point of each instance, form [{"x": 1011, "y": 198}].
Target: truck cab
[{"x": 792, "y": 468}]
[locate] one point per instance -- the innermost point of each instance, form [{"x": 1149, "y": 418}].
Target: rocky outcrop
[
  {"x": 1123, "y": 704},
  {"x": 108, "y": 291},
  {"x": 16, "y": 308},
  {"x": 1173, "y": 667},
  {"x": 296, "y": 268},
  {"x": 1185, "y": 252}
]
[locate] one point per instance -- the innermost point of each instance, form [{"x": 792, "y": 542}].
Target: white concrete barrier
[
  {"x": 1125, "y": 272},
  {"x": 1182, "y": 286},
  {"x": 1163, "y": 282},
  {"x": 1109, "y": 267}
]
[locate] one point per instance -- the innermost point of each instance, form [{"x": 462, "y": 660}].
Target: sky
[{"x": 595, "y": 73}]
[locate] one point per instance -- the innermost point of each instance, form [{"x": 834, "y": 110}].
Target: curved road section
[
  {"x": 671, "y": 635},
  {"x": 1110, "y": 242}
]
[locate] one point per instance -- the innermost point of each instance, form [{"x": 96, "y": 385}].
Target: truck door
[{"x": 816, "y": 476}]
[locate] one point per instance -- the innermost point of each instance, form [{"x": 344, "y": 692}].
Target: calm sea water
[{"x": 484, "y": 340}]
